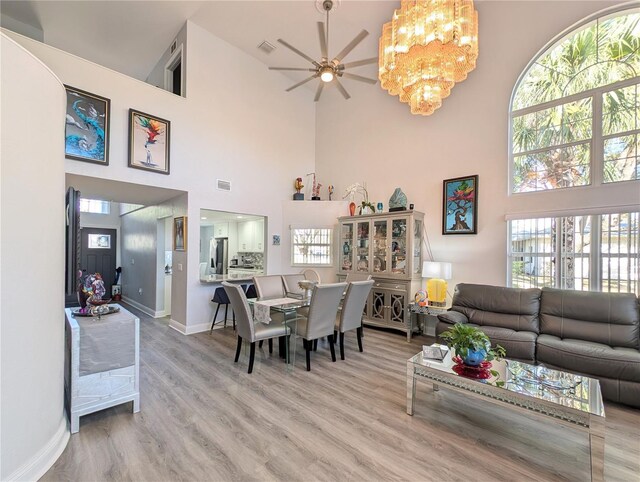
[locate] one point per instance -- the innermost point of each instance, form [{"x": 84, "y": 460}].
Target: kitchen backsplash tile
[{"x": 251, "y": 259}]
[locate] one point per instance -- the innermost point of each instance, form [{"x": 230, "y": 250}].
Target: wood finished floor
[{"x": 204, "y": 418}]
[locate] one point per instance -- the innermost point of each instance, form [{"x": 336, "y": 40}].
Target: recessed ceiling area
[{"x": 131, "y": 36}]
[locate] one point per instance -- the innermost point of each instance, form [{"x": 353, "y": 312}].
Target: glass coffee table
[{"x": 566, "y": 398}]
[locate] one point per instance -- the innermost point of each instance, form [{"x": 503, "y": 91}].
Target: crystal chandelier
[{"x": 428, "y": 46}]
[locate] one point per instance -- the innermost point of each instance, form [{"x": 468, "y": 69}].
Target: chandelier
[{"x": 428, "y": 46}]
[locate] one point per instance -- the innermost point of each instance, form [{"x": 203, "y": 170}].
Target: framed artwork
[
  {"x": 86, "y": 131},
  {"x": 460, "y": 205},
  {"x": 180, "y": 233},
  {"x": 276, "y": 240},
  {"x": 149, "y": 142}
]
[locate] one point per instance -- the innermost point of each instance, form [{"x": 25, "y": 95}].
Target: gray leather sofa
[{"x": 595, "y": 334}]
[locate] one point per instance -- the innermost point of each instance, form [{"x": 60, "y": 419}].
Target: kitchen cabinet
[
  {"x": 387, "y": 246},
  {"x": 251, "y": 236},
  {"x": 221, "y": 230}
]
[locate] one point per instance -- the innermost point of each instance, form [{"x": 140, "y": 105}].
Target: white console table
[{"x": 102, "y": 363}]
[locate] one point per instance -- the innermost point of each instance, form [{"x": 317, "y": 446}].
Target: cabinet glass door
[
  {"x": 380, "y": 246},
  {"x": 399, "y": 246},
  {"x": 362, "y": 248},
  {"x": 346, "y": 242},
  {"x": 417, "y": 247}
]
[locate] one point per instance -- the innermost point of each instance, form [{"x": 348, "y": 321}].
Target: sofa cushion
[
  {"x": 608, "y": 318},
  {"x": 513, "y": 308},
  {"x": 453, "y": 317},
  {"x": 596, "y": 359},
  {"x": 520, "y": 345}
]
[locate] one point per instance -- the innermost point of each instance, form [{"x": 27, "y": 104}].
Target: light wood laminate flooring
[{"x": 204, "y": 418}]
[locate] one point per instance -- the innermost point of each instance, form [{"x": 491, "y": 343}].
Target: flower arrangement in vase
[{"x": 366, "y": 207}]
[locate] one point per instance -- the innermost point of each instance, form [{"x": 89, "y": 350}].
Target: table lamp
[{"x": 437, "y": 273}]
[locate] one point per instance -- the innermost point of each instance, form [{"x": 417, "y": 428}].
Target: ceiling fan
[{"x": 329, "y": 70}]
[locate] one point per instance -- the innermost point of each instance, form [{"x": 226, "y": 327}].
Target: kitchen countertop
[{"x": 218, "y": 278}]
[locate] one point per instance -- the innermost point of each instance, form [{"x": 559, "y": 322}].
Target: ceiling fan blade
[
  {"x": 300, "y": 83},
  {"x": 352, "y": 45},
  {"x": 342, "y": 90},
  {"x": 292, "y": 68},
  {"x": 301, "y": 54},
  {"x": 359, "y": 77},
  {"x": 358, "y": 63},
  {"x": 318, "y": 92},
  {"x": 324, "y": 48}
]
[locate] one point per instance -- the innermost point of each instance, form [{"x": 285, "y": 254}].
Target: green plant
[{"x": 463, "y": 338}]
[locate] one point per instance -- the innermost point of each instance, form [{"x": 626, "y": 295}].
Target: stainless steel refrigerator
[{"x": 221, "y": 255}]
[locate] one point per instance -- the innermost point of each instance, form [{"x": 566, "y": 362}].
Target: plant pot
[{"x": 475, "y": 357}]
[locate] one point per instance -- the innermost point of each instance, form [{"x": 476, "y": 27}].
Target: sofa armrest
[{"x": 453, "y": 317}]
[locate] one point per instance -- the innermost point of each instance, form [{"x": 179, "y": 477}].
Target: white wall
[
  {"x": 32, "y": 188},
  {"x": 374, "y": 138},
  {"x": 226, "y": 129}
]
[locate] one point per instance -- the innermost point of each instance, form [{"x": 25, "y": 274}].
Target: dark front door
[{"x": 98, "y": 254}]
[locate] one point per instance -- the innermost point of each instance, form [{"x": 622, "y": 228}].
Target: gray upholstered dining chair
[
  {"x": 321, "y": 317},
  {"x": 269, "y": 286},
  {"x": 350, "y": 317},
  {"x": 247, "y": 329},
  {"x": 291, "y": 283}
]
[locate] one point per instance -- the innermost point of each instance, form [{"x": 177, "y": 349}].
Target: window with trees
[
  {"x": 575, "y": 123},
  {"x": 311, "y": 246}
]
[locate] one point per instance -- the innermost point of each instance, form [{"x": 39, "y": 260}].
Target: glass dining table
[{"x": 288, "y": 307}]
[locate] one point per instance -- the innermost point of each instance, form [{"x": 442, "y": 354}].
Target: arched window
[
  {"x": 575, "y": 123},
  {"x": 575, "y": 110}
]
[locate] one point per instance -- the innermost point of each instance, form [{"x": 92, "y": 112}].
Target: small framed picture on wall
[
  {"x": 86, "y": 131},
  {"x": 460, "y": 205},
  {"x": 180, "y": 233},
  {"x": 149, "y": 138}
]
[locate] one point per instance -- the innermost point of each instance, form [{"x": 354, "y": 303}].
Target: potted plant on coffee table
[{"x": 471, "y": 344}]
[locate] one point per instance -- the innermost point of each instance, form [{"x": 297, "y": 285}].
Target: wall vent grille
[{"x": 223, "y": 185}]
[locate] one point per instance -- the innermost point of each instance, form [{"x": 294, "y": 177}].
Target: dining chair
[
  {"x": 321, "y": 317},
  {"x": 350, "y": 317},
  {"x": 291, "y": 283},
  {"x": 269, "y": 286},
  {"x": 247, "y": 329},
  {"x": 312, "y": 275},
  {"x": 351, "y": 277}
]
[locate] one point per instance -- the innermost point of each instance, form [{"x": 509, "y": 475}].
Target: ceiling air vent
[
  {"x": 223, "y": 185},
  {"x": 266, "y": 47}
]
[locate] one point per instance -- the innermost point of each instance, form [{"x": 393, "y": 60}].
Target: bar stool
[
  {"x": 250, "y": 291},
  {"x": 220, "y": 297}
]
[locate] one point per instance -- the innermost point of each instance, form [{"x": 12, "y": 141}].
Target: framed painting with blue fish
[
  {"x": 460, "y": 205},
  {"x": 87, "y": 127},
  {"x": 149, "y": 142}
]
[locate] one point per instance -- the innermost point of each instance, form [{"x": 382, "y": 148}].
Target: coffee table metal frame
[{"x": 591, "y": 421}]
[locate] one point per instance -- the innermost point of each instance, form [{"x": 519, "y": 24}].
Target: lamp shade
[{"x": 433, "y": 269}]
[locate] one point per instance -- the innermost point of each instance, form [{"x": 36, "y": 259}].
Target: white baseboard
[
  {"x": 143, "y": 308},
  {"x": 46, "y": 456},
  {"x": 190, "y": 329}
]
